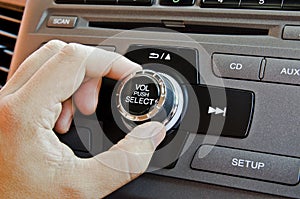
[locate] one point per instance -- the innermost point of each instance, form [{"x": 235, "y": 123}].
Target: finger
[
  {"x": 113, "y": 66},
  {"x": 62, "y": 75},
  {"x": 122, "y": 163},
  {"x": 64, "y": 120},
  {"x": 31, "y": 65},
  {"x": 86, "y": 98}
]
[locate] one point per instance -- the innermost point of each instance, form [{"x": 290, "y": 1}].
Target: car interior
[{"x": 222, "y": 75}]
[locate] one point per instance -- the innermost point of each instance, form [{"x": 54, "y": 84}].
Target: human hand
[{"x": 37, "y": 99}]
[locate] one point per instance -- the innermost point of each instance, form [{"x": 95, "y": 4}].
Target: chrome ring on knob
[{"x": 167, "y": 107}]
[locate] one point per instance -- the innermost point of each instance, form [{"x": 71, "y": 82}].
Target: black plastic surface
[
  {"x": 183, "y": 60},
  {"x": 274, "y": 4},
  {"x": 139, "y": 95},
  {"x": 220, "y": 3},
  {"x": 224, "y": 111},
  {"x": 135, "y": 2},
  {"x": 177, "y": 2},
  {"x": 291, "y": 4},
  {"x": 101, "y": 2}
]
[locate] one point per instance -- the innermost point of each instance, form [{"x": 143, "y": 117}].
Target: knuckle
[
  {"x": 70, "y": 53},
  {"x": 8, "y": 117},
  {"x": 54, "y": 45},
  {"x": 70, "y": 50},
  {"x": 75, "y": 52}
]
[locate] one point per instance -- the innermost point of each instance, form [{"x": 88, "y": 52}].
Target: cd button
[{"x": 237, "y": 67}]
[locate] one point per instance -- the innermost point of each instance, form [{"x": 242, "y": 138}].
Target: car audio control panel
[{"x": 222, "y": 76}]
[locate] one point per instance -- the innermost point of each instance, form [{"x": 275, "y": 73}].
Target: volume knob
[{"x": 148, "y": 95}]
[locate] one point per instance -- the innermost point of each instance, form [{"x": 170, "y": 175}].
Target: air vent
[{"x": 10, "y": 21}]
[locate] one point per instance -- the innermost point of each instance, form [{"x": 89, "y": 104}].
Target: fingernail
[{"x": 67, "y": 124}]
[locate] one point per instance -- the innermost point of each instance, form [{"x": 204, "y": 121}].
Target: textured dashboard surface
[{"x": 274, "y": 128}]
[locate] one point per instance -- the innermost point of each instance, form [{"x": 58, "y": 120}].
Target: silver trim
[
  {"x": 177, "y": 108},
  {"x": 156, "y": 78}
]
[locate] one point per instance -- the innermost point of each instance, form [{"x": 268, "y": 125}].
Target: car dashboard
[{"x": 238, "y": 64}]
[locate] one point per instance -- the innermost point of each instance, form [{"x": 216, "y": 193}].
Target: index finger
[
  {"x": 100, "y": 63},
  {"x": 62, "y": 74},
  {"x": 112, "y": 65}
]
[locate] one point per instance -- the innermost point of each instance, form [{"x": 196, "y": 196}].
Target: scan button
[{"x": 62, "y": 22}]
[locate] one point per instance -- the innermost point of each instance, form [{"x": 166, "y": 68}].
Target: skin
[{"x": 41, "y": 96}]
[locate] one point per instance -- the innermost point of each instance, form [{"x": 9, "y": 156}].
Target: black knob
[{"x": 148, "y": 95}]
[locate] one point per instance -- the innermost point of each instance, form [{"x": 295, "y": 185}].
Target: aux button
[{"x": 147, "y": 95}]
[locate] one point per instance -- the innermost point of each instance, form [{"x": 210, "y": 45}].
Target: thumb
[{"x": 124, "y": 162}]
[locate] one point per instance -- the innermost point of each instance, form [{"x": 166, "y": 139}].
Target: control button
[
  {"x": 220, "y": 3},
  {"x": 248, "y": 164},
  {"x": 62, "y": 22},
  {"x": 291, "y": 5},
  {"x": 291, "y": 32},
  {"x": 146, "y": 95},
  {"x": 282, "y": 71},
  {"x": 136, "y": 2},
  {"x": 224, "y": 111},
  {"x": 183, "y": 60},
  {"x": 177, "y": 2},
  {"x": 141, "y": 93},
  {"x": 101, "y": 2},
  {"x": 70, "y": 1},
  {"x": 261, "y": 4},
  {"x": 237, "y": 67}
]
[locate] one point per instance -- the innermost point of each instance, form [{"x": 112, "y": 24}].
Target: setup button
[{"x": 248, "y": 164}]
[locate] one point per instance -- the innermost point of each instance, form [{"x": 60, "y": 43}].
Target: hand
[{"x": 37, "y": 99}]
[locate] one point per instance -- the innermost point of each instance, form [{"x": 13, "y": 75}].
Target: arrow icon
[
  {"x": 168, "y": 57},
  {"x": 217, "y": 110}
]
